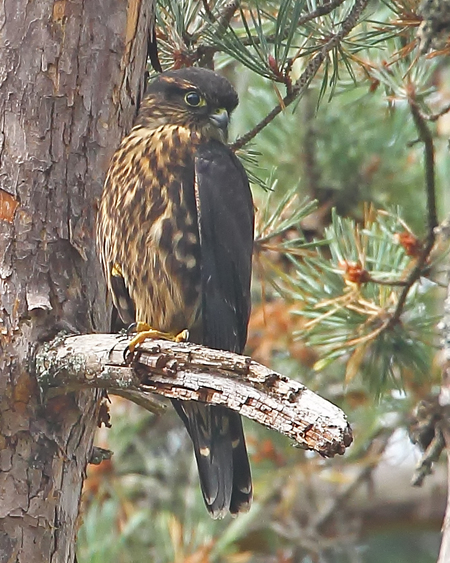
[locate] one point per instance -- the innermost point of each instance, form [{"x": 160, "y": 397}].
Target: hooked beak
[{"x": 220, "y": 119}]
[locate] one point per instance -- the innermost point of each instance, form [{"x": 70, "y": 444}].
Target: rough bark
[
  {"x": 444, "y": 400},
  {"x": 191, "y": 372},
  {"x": 71, "y": 72}
]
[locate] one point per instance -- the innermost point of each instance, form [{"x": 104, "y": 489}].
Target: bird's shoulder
[
  {"x": 148, "y": 158},
  {"x": 160, "y": 143}
]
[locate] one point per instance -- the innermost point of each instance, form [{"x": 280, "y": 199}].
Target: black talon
[
  {"x": 131, "y": 328},
  {"x": 125, "y": 354},
  {"x": 128, "y": 355}
]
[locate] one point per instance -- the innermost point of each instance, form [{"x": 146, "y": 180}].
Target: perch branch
[{"x": 191, "y": 372}]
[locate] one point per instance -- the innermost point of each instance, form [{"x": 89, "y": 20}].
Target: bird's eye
[{"x": 193, "y": 99}]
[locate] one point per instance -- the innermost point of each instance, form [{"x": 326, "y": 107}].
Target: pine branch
[
  {"x": 435, "y": 116},
  {"x": 430, "y": 456},
  {"x": 426, "y": 138},
  {"x": 205, "y": 53},
  {"x": 317, "y": 13},
  {"x": 191, "y": 372},
  {"x": 300, "y": 86}
]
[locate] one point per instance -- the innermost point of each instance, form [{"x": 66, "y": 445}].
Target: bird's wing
[
  {"x": 225, "y": 223},
  {"x": 225, "y": 220}
]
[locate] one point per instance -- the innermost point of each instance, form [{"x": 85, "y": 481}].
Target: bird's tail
[{"x": 221, "y": 455}]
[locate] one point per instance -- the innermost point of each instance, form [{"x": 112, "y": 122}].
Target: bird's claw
[
  {"x": 128, "y": 355},
  {"x": 144, "y": 332},
  {"x": 182, "y": 336}
]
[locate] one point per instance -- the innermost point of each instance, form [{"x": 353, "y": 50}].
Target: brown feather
[{"x": 170, "y": 260}]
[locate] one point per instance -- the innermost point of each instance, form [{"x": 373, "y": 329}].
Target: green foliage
[
  {"x": 347, "y": 289},
  {"x": 348, "y": 315}
]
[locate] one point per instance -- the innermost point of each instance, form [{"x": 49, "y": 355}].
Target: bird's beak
[{"x": 220, "y": 119}]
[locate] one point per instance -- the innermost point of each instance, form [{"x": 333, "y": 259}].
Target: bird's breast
[{"x": 161, "y": 249}]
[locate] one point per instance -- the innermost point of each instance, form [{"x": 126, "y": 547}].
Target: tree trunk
[
  {"x": 444, "y": 400},
  {"x": 71, "y": 73}
]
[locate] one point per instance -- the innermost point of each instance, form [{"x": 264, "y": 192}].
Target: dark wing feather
[
  {"x": 225, "y": 221},
  {"x": 225, "y": 218},
  {"x": 123, "y": 313}
]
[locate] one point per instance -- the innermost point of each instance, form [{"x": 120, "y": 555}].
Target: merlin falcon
[{"x": 175, "y": 239}]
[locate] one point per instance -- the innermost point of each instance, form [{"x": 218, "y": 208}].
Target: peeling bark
[
  {"x": 71, "y": 73},
  {"x": 191, "y": 372}
]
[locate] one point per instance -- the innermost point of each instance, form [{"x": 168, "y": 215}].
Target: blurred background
[{"x": 342, "y": 189}]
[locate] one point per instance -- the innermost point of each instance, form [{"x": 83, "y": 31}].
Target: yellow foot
[{"x": 145, "y": 332}]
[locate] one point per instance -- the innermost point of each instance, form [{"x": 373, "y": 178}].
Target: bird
[{"x": 175, "y": 239}]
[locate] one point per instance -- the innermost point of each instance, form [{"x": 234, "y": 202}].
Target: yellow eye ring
[{"x": 194, "y": 99}]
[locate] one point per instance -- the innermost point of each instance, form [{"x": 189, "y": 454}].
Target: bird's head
[{"x": 196, "y": 98}]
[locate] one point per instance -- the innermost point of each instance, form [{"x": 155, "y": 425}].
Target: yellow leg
[{"x": 145, "y": 332}]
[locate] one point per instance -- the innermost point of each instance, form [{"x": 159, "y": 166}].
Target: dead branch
[{"x": 191, "y": 372}]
